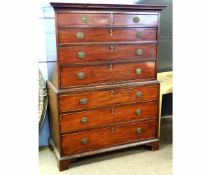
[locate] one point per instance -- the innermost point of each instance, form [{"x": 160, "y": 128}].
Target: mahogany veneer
[
  {"x": 75, "y": 121},
  {"x": 74, "y": 19},
  {"x": 102, "y": 67},
  {"x": 111, "y": 52},
  {"x": 127, "y": 20},
  {"x": 71, "y": 101},
  {"x": 110, "y": 136},
  {"x": 68, "y": 36},
  {"x": 106, "y": 73}
]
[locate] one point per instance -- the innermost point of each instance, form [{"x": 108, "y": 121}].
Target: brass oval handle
[
  {"x": 81, "y": 75},
  {"x": 138, "y": 94},
  {"x": 80, "y": 35},
  {"x": 138, "y": 71},
  {"x": 83, "y": 101},
  {"x": 139, "y": 34},
  {"x": 84, "y": 120},
  {"x": 81, "y": 54},
  {"x": 136, "y": 19},
  {"x": 84, "y": 19},
  {"x": 138, "y": 112},
  {"x": 139, "y": 51},
  {"x": 84, "y": 141},
  {"x": 138, "y": 130}
]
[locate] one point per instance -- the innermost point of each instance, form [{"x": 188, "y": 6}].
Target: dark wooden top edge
[
  {"x": 56, "y": 6},
  {"x": 102, "y": 87}
]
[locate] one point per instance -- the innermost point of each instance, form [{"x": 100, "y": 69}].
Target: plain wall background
[{"x": 165, "y": 49}]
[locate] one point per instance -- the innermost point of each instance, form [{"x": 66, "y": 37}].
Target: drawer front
[
  {"x": 134, "y": 34},
  {"x": 82, "y": 54},
  {"x": 82, "y": 19},
  {"x": 105, "y": 35},
  {"x": 87, "y": 75},
  {"x": 90, "y": 119},
  {"x": 83, "y": 35},
  {"x": 135, "y": 20},
  {"x": 93, "y": 99},
  {"x": 86, "y": 141}
]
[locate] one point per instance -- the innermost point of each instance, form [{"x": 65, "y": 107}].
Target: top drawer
[
  {"x": 83, "y": 19},
  {"x": 135, "y": 20}
]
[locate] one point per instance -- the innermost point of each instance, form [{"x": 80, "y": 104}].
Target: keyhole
[
  {"x": 110, "y": 66},
  {"x": 111, "y": 33},
  {"x": 113, "y": 110},
  {"x": 113, "y": 130},
  {"x": 111, "y": 49},
  {"x": 112, "y": 93}
]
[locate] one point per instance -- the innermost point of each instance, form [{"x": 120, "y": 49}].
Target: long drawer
[
  {"x": 93, "y": 99},
  {"x": 82, "y": 35},
  {"x": 105, "y": 137},
  {"x": 89, "y": 119},
  {"x": 88, "y": 75},
  {"x": 111, "y": 52}
]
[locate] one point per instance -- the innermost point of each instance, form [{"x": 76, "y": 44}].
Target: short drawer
[
  {"x": 88, "y": 75},
  {"x": 135, "y": 20},
  {"x": 89, "y": 119},
  {"x": 102, "y": 53},
  {"x": 82, "y": 19},
  {"x": 101, "y": 98},
  {"x": 106, "y": 137},
  {"x": 81, "y": 35},
  {"x": 134, "y": 34}
]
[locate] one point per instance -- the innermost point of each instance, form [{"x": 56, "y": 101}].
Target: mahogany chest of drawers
[{"x": 102, "y": 68}]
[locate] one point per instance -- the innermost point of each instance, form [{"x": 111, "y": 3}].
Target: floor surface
[{"x": 134, "y": 161}]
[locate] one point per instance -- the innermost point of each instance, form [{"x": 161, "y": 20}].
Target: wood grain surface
[
  {"x": 110, "y": 136},
  {"x": 106, "y": 73},
  {"x": 72, "y": 122},
  {"x": 106, "y": 35},
  {"x": 101, "y": 98},
  {"x": 110, "y": 52}
]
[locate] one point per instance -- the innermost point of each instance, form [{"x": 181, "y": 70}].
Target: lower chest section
[{"x": 109, "y": 116}]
